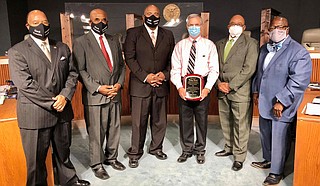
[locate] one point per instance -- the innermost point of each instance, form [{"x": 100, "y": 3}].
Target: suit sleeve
[
  {"x": 79, "y": 58},
  {"x": 130, "y": 46},
  {"x": 122, "y": 67},
  {"x": 166, "y": 72},
  {"x": 72, "y": 80},
  {"x": 299, "y": 77},
  {"x": 248, "y": 68},
  {"x": 27, "y": 86}
]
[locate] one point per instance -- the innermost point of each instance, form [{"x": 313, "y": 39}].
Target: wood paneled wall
[{"x": 315, "y": 77}]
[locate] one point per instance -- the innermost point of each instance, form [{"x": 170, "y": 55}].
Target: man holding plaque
[
  {"x": 195, "y": 69},
  {"x": 238, "y": 55}
]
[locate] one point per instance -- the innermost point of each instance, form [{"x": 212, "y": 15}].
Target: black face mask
[
  {"x": 99, "y": 28},
  {"x": 41, "y": 31},
  {"x": 152, "y": 21}
]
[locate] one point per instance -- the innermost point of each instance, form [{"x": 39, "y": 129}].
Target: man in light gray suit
[
  {"x": 283, "y": 74},
  {"x": 102, "y": 71},
  {"x": 46, "y": 78},
  {"x": 237, "y": 61}
]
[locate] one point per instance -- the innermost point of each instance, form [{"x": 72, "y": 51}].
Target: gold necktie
[
  {"x": 153, "y": 38},
  {"x": 46, "y": 50}
]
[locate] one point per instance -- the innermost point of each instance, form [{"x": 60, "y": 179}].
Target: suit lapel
[
  {"x": 146, "y": 36},
  {"x": 37, "y": 50},
  {"x": 54, "y": 53},
  {"x": 113, "y": 49},
  {"x": 221, "y": 46},
  {"x": 278, "y": 53},
  {"x": 159, "y": 37},
  {"x": 235, "y": 47},
  {"x": 96, "y": 49}
]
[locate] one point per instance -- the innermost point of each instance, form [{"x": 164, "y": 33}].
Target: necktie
[
  {"x": 274, "y": 47},
  {"x": 153, "y": 38},
  {"x": 192, "y": 57},
  {"x": 227, "y": 49},
  {"x": 105, "y": 53},
  {"x": 46, "y": 50}
]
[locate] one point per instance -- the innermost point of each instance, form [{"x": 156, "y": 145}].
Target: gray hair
[{"x": 193, "y": 16}]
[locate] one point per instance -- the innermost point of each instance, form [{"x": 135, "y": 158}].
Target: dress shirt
[
  {"x": 39, "y": 42},
  {"x": 234, "y": 39},
  {"x": 106, "y": 44},
  {"x": 155, "y": 31},
  {"x": 271, "y": 54},
  {"x": 206, "y": 62}
]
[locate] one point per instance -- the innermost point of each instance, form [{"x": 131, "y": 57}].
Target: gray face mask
[{"x": 277, "y": 35}]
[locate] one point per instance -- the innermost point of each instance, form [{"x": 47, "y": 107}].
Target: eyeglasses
[
  {"x": 278, "y": 27},
  {"x": 234, "y": 24}
]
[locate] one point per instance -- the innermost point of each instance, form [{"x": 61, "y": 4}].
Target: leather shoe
[
  {"x": 184, "y": 156},
  {"x": 261, "y": 165},
  {"x": 272, "y": 179},
  {"x": 101, "y": 173},
  {"x": 237, "y": 165},
  {"x": 115, "y": 165},
  {"x": 223, "y": 153},
  {"x": 160, "y": 155},
  {"x": 200, "y": 158},
  {"x": 133, "y": 163},
  {"x": 81, "y": 183}
]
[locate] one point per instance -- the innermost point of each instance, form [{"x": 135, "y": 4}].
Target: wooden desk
[
  {"x": 307, "y": 151},
  {"x": 12, "y": 159}
]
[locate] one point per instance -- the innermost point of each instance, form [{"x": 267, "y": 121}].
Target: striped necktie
[
  {"x": 192, "y": 57},
  {"x": 153, "y": 38},
  {"x": 46, "y": 50}
]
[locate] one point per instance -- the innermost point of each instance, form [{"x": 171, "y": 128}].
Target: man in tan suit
[{"x": 238, "y": 55}]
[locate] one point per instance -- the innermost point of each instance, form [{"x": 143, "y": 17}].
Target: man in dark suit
[
  {"x": 148, "y": 50},
  {"x": 238, "y": 56},
  {"x": 102, "y": 71},
  {"x": 46, "y": 79},
  {"x": 283, "y": 74}
]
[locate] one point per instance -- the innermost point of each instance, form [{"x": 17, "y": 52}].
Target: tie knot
[
  {"x": 231, "y": 40},
  {"x": 101, "y": 37},
  {"x": 194, "y": 41}
]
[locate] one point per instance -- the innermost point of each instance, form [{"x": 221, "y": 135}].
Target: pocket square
[{"x": 62, "y": 58}]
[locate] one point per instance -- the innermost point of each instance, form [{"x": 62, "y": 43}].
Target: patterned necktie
[
  {"x": 153, "y": 38},
  {"x": 46, "y": 50},
  {"x": 227, "y": 49},
  {"x": 192, "y": 58},
  {"x": 105, "y": 53}
]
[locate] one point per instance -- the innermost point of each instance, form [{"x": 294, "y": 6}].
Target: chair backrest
[{"x": 311, "y": 39}]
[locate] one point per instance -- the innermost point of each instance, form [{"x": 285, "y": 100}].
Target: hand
[
  {"x": 114, "y": 91},
  {"x": 255, "y": 97},
  {"x": 60, "y": 103},
  {"x": 160, "y": 77},
  {"x": 182, "y": 93},
  {"x": 152, "y": 80},
  {"x": 277, "y": 109},
  {"x": 106, "y": 90},
  {"x": 204, "y": 93},
  {"x": 224, "y": 87}
]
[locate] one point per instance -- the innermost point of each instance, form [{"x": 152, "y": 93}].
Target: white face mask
[
  {"x": 277, "y": 35},
  {"x": 235, "y": 30}
]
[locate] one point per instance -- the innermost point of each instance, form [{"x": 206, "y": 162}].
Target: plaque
[
  {"x": 171, "y": 12},
  {"x": 193, "y": 84}
]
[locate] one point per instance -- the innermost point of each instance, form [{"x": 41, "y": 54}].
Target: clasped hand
[
  {"x": 224, "y": 87},
  {"x": 60, "y": 103},
  {"x": 155, "y": 80},
  {"x": 182, "y": 93},
  {"x": 109, "y": 90}
]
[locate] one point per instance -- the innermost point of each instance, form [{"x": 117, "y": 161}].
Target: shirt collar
[
  {"x": 149, "y": 30},
  {"x": 197, "y": 39},
  {"x": 39, "y": 41},
  {"x": 97, "y": 36}
]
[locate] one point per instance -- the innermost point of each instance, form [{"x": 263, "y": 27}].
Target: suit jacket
[
  {"x": 238, "y": 68},
  {"x": 38, "y": 80},
  {"x": 285, "y": 78},
  {"x": 94, "y": 70},
  {"x": 144, "y": 58}
]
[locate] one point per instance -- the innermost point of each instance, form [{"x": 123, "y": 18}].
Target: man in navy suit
[
  {"x": 283, "y": 74},
  {"x": 46, "y": 78}
]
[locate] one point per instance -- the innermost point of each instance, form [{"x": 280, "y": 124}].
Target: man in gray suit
[
  {"x": 46, "y": 79},
  {"x": 237, "y": 62},
  {"x": 102, "y": 71}
]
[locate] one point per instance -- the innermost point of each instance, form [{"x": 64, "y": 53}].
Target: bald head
[
  {"x": 237, "y": 20},
  {"x": 151, "y": 10},
  {"x": 97, "y": 16},
  {"x": 35, "y": 18},
  {"x": 278, "y": 20}
]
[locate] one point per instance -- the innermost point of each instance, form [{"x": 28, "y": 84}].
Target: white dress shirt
[
  {"x": 155, "y": 31},
  {"x": 106, "y": 44},
  {"x": 206, "y": 62},
  {"x": 39, "y": 42}
]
